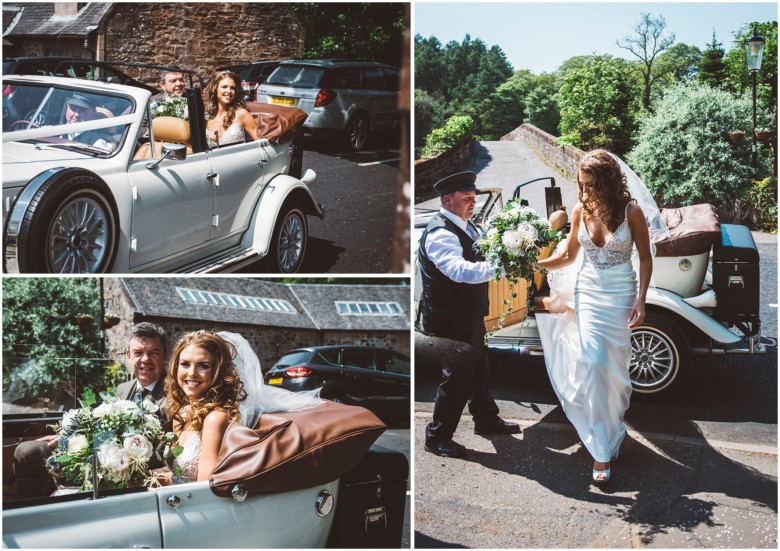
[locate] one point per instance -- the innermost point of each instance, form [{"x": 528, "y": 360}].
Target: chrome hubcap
[
  {"x": 78, "y": 238},
  {"x": 358, "y": 133},
  {"x": 652, "y": 359},
  {"x": 290, "y": 242}
]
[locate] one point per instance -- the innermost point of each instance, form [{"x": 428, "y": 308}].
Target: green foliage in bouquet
[
  {"x": 121, "y": 433},
  {"x": 170, "y": 106}
]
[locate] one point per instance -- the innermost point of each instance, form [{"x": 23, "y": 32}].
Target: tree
[
  {"x": 677, "y": 64},
  {"x": 52, "y": 321},
  {"x": 711, "y": 68},
  {"x": 597, "y": 105},
  {"x": 683, "y": 152},
  {"x": 541, "y": 105},
  {"x": 428, "y": 114},
  {"x": 503, "y": 110},
  {"x": 648, "y": 42},
  {"x": 360, "y": 31},
  {"x": 429, "y": 66}
]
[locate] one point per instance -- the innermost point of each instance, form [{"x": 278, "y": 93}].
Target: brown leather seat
[
  {"x": 165, "y": 130},
  {"x": 692, "y": 230},
  {"x": 276, "y": 122}
]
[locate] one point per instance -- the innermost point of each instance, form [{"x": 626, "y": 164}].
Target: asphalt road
[{"x": 358, "y": 192}]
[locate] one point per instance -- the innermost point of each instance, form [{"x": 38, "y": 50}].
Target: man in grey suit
[{"x": 147, "y": 354}]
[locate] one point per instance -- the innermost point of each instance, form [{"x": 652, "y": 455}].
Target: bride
[
  {"x": 214, "y": 379},
  {"x": 588, "y": 356},
  {"x": 228, "y": 121}
]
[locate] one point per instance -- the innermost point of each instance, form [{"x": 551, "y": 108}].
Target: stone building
[
  {"x": 273, "y": 317},
  {"x": 196, "y": 35}
]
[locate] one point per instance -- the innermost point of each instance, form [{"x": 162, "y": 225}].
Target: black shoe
[
  {"x": 449, "y": 448},
  {"x": 499, "y": 426}
]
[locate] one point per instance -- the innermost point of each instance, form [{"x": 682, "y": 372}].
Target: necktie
[{"x": 140, "y": 395}]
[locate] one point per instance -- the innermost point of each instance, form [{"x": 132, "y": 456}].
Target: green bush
[
  {"x": 760, "y": 202},
  {"x": 684, "y": 153},
  {"x": 456, "y": 130}
]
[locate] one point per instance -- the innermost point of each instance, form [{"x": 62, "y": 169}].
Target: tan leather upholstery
[
  {"x": 276, "y": 122},
  {"x": 165, "y": 130}
]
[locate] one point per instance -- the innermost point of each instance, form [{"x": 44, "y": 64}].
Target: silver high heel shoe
[{"x": 601, "y": 477}]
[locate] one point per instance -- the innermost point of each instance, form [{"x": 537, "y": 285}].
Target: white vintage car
[
  {"x": 121, "y": 197},
  {"x": 704, "y": 299},
  {"x": 304, "y": 480}
]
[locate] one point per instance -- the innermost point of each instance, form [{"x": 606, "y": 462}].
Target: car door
[
  {"x": 369, "y": 384},
  {"x": 172, "y": 208},
  {"x": 396, "y": 369},
  {"x": 238, "y": 180}
]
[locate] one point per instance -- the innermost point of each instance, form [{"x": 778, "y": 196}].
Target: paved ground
[{"x": 533, "y": 491}]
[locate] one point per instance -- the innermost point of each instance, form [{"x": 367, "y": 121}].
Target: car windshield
[
  {"x": 46, "y": 115},
  {"x": 296, "y": 76}
]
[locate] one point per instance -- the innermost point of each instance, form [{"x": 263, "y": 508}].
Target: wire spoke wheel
[{"x": 78, "y": 240}]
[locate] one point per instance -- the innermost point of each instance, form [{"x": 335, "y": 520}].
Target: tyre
[
  {"x": 660, "y": 355},
  {"x": 70, "y": 227},
  {"x": 288, "y": 242},
  {"x": 357, "y": 132}
]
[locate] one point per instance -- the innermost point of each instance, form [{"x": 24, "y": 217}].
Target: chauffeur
[{"x": 453, "y": 304}]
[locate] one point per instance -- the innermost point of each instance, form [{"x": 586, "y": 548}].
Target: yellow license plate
[
  {"x": 284, "y": 101},
  {"x": 276, "y": 381}
]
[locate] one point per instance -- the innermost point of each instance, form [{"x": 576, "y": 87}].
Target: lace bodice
[
  {"x": 187, "y": 462},
  {"x": 233, "y": 134},
  {"x": 617, "y": 250}
]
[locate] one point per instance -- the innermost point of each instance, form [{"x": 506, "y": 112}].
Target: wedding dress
[
  {"x": 587, "y": 352},
  {"x": 185, "y": 466},
  {"x": 233, "y": 134}
]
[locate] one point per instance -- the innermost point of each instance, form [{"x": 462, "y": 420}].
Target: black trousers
[{"x": 463, "y": 382}]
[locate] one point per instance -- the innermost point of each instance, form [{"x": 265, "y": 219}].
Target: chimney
[{"x": 66, "y": 9}]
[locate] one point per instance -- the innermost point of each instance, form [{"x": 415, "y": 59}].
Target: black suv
[{"x": 375, "y": 378}]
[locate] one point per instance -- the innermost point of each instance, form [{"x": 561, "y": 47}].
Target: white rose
[
  {"x": 138, "y": 447},
  {"x": 513, "y": 242},
  {"x": 148, "y": 406},
  {"x": 77, "y": 443},
  {"x": 492, "y": 232},
  {"x": 102, "y": 410},
  {"x": 115, "y": 461},
  {"x": 69, "y": 423},
  {"x": 527, "y": 233},
  {"x": 123, "y": 406}
]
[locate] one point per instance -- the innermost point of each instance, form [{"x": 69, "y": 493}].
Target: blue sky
[{"x": 540, "y": 36}]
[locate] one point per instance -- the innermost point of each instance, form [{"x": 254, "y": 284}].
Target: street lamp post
[{"x": 754, "y": 50}]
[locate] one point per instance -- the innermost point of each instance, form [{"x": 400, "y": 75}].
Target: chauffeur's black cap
[{"x": 462, "y": 181}]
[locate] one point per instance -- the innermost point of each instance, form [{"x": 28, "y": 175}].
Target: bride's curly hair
[
  {"x": 210, "y": 97},
  {"x": 226, "y": 388},
  {"x": 610, "y": 188}
]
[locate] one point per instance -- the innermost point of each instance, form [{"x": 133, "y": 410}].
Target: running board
[
  {"x": 521, "y": 339},
  {"x": 230, "y": 260},
  {"x": 749, "y": 345}
]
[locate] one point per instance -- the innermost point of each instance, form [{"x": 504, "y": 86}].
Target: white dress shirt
[{"x": 444, "y": 250}]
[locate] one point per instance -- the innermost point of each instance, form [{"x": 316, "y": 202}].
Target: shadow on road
[
  {"x": 383, "y": 145},
  {"x": 321, "y": 256},
  {"x": 421, "y": 541}
]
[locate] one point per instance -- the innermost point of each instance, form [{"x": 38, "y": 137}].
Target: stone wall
[
  {"x": 563, "y": 157},
  {"x": 200, "y": 36},
  {"x": 428, "y": 171}
]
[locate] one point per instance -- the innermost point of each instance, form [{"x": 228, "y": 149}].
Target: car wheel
[
  {"x": 70, "y": 226},
  {"x": 288, "y": 242},
  {"x": 660, "y": 356},
  {"x": 357, "y": 132}
]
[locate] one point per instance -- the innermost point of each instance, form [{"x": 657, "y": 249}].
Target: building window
[
  {"x": 193, "y": 296},
  {"x": 356, "y": 308}
]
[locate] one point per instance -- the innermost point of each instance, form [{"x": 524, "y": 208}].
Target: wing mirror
[{"x": 174, "y": 151}]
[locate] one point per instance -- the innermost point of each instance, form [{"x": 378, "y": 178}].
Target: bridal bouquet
[
  {"x": 170, "y": 106},
  {"x": 512, "y": 240},
  {"x": 121, "y": 434}
]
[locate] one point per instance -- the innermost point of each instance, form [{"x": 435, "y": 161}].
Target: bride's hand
[{"x": 637, "y": 315}]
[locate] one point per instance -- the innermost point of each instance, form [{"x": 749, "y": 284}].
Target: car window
[
  {"x": 358, "y": 357},
  {"x": 330, "y": 355},
  {"x": 392, "y": 78},
  {"x": 293, "y": 358},
  {"x": 373, "y": 79},
  {"x": 393, "y": 362},
  {"x": 344, "y": 78},
  {"x": 296, "y": 76}
]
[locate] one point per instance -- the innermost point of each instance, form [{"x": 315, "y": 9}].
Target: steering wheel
[{"x": 30, "y": 124}]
